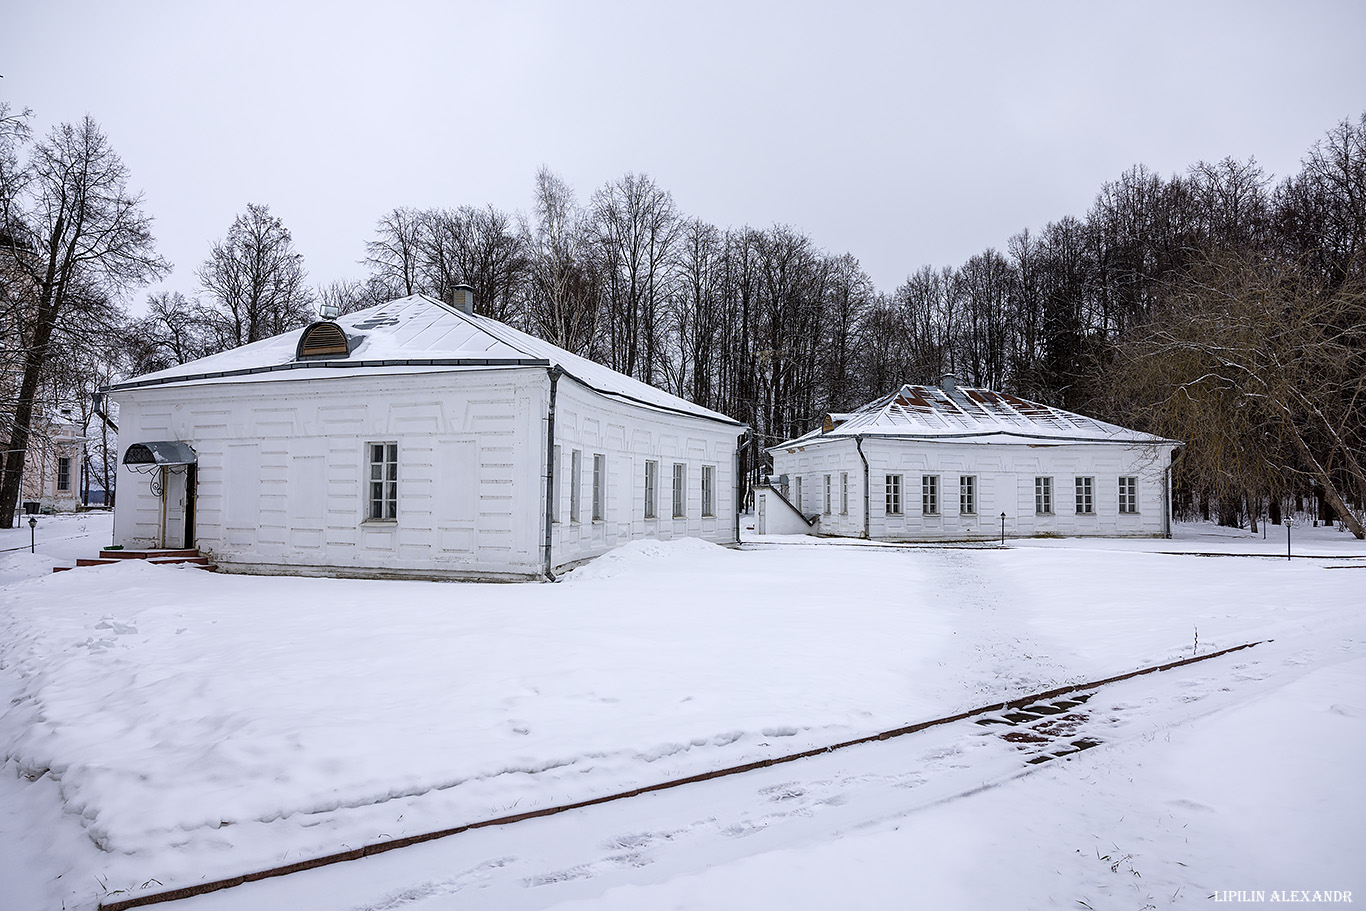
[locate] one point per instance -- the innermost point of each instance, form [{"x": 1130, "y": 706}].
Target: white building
[
  {"x": 954, "y": 463},
  {"x": 414, "y": 439}
]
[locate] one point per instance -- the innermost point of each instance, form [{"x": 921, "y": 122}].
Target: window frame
[
  {"x": 827, "y": 495},
  {"x": 557, "y": 469},
  {"x": 844, "y": 493},
  {"x": 891, "y": 486},
  {"x": 967, "y": 495},
  {"x": 651, "y": 489},
  {"x": 599, "y": 487},
  {"x": 797, "y": 492},
  {"x": 1085, "y": 487},
  {"x": 381, "y": 481},
  {"x": 1128, "y": 497},
  {"x": 708, "y": 491},
  {"x": 929, "y": 495},
  {"x": 63, "y": 474},
  {"x": 680, "y": 491},
  {"x": 575, "y": 484},
  {"x": 1043, "y": 495}
]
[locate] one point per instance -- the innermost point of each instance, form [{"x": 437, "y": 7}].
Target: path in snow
[{"x": 658, "y": 838}]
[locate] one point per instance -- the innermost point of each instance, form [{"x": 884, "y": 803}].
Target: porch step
[
  {"x": 187, "y": 556},
  {"x": 150, "y": 554}
]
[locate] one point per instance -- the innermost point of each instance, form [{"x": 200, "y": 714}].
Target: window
[
  {"x": 1086, "y": 496},
  {"x": 844, "y": 493},
  {"x": 599, "y": 487},
  {"x": 1128, "y": 495},
  {"x": 63, "y": 473},
  {"x": 575, "y": 472},
  {"x": 929, "y": 494},
  {"x": 798, "y": 496},
  {"x": 709, "y": 490},
  {"x": 680, "y": 490},
  {"x": 893, "y": 494},
  {"x": 827, "y": 495},
  {"x": 1043, "y": 496},
  {"x": 967, "y": 495},
  {"x": 383, "y": 499},
  {"x": 651, "y": 490},
  {"x": 555, "y": 497}
]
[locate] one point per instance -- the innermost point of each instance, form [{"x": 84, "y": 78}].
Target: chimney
[
  {"x": 463, "y": 298},
  {"x": 949, "y": 383}
]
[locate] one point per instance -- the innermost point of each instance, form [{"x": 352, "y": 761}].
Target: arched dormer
[{"x": 322, "y": 339}]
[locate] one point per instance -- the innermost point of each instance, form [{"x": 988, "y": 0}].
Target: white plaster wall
[
  {"x": 1005, "y": 483},
  {"x": 282, "y": 471},
  {"x": 629, "y": 435}
]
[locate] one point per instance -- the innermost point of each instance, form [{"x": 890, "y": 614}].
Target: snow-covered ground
[{"x": 166, "y": 726}]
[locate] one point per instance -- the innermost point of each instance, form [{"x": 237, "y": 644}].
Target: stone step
[
  {"x": 188, "y": 556},
  {"x": 150, "y": 554}
]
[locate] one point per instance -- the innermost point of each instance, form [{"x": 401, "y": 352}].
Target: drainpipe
[
  {"x": 554, "y": 372},
  {"x": 858, "y": 442}
]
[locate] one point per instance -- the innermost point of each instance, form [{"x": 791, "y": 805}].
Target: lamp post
[
  {"x": 1003, "y": 529},
  {"x": 32, "y": 535},
  {"x": 1288, "y": 522}
]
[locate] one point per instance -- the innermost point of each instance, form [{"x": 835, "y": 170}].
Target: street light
[
  {"x": 1289, "y": 521},
  {"x": 32, "y": 535},
  {"x": 1003, "y": 529}
]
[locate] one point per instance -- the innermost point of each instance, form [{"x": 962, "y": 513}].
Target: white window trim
[
  {"x": 844, "y": 493},
  {"x": 1130, "y": 495},
  {"x": 557, "y": 470},
  {"x": 967, "y": 495},
  {"x": 388, "y": 481},
  {"x": 827, "y": 495},
  {"x": 680, "y": 490},
  {"x": 708, "y": 491},
  {"x": 929, "y": 494},
  {"x": 1085, "y": 488},
  {"x": 575, "y": 484},
  {"x": 599, "y": 487},
  {"x": 651, "y": 489},
  {"x": 892, "y": 488},
  {"x": 1043, "y": 495}
]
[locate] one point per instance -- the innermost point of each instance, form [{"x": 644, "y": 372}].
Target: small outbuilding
[
  {"x": 957, "y": 463},
  {"x": 414, "y": 439}
]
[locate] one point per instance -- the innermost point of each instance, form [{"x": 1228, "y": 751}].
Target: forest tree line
[{"x": 1221, "y": 307}]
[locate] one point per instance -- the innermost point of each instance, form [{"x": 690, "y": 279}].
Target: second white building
[{"x": 954, "y": 463}]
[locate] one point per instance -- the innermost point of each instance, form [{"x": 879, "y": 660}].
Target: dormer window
[{"x": 322, "y": 339}]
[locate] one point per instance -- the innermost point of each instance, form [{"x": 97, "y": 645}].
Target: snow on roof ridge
[
  {"x": 420, "y": 329},
  {"x": 970, "y": 412}
]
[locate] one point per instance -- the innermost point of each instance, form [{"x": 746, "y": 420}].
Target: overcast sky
[{"x": 906, "y": 134}]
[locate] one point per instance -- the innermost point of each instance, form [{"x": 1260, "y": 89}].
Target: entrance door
[{"x": 178, "y": 513}]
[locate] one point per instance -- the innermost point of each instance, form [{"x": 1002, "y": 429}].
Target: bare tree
[
  {"x": 75, "y": 239},
  {"x": 1247, "y": 362},
  {"x": 256, "y": 282},
  {"x": 174, "y": 330},
  {"x": 393, "y": 256},
  {"x": 562, "y": 302}
]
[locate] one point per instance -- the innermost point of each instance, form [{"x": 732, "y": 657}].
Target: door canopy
[{"x": 166, "y": 452}]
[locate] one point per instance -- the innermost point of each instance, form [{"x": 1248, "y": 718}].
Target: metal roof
[
  {"x": 160, "y": 452},
  {"x": 969, "y": 414},
  {"x": 416, "y": 332}
]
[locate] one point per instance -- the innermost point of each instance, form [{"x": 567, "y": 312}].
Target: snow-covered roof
[
  {"x": 968, "y": 414},
  {"x": 420, "y": 333}
]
